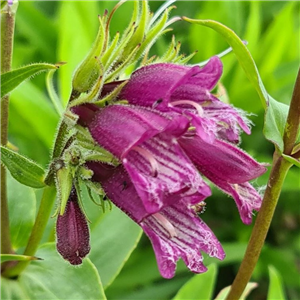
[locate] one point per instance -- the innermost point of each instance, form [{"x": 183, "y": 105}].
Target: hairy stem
[
  {"x": 279, "y": 170},
  {"x": 7, "y": 34},
  {"x": 42, "y": 218}
]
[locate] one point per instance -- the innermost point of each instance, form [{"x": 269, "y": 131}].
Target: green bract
[
  {"x": 23, "y": 169},
  {"x": 109, "y": 58}
]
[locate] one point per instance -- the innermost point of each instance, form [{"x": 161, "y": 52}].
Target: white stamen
[
  {"x": 189, "y": 102},
  {"x": 166, "y": 224},
  {"x": 148, "y": 156}
]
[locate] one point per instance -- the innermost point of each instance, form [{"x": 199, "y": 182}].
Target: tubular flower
[
  {"x": 175, "y": 231},
  {"x": 145, "y": 141},
  {"x": 72, "y": 232},
  {"x": 172, "y": 128},
  {"x": 215, "y": 126}
]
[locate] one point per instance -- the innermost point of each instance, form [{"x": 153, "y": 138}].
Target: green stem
[
  {"x": 7, "y": 34},
  {"x": 279, "y": 170},
  {"x": 41, "y": 221}
]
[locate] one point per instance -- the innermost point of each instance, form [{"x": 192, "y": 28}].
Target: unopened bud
[{"x": 73, "y": 239}]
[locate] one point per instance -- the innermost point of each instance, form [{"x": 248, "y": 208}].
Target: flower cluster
[{"x": 171, "y": 130}]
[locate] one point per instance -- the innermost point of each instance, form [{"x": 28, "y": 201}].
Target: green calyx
[{"x": 110, "y": 58}]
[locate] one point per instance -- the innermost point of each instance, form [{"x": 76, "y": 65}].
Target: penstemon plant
[{"x": 143, "y": 138}]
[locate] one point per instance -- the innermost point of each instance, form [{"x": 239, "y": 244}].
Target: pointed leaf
[
  {"x": 200, "y": 286},
  {"x": 22, "y": 169},
  {"x": 52, "y": 278},
  {"x": 292, "y": 160},
  {"x": 15, "y": 257},
  {"x": 242, "y": 53},
  {"x": 276, "y": 290},
  {"x": 223, "y": 293},
  {"x": 64, "y": 183},
  {"x": 21, "y": 199},
  {"x": 10, "y": 80},
  {"x": 275, "y": 120}
]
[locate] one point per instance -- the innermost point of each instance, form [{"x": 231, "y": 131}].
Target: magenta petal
[
  {"x": 119, "y": 189},
  {"x": 245, "y": 196},
  {"x": 153, "y": 85},
  {"x": 118, "y": 128},
  {"x": 176, "y": 175},
  {"x": 192, "y": 236},
  {"x": 209, "y": 75},
  {"x": 224, "y": 160}
]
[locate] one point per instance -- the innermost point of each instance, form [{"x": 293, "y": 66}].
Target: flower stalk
[
  {"x": 7, "y": 34},
  {"x": 279, "y": 170},
  {"x": 262, "y": 224}
]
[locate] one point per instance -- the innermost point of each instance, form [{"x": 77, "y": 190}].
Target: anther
[
  {"x": 149, "y": 157},
  {"x": 196, "y": 105},
  {"x": 166, "y": 224}
]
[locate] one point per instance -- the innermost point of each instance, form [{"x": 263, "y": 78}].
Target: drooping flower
[
  {"x": 73, "y": 239},
  {"x": 172, "y": 128},
  {"x": 175, "y": 231},
  {"x": 145, "y": 141},
  {"x": 215, "y": 126},
  {"x": 186, "y": 90}
]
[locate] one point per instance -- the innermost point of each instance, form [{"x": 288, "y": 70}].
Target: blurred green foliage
[{"x": 54, "y": 31}]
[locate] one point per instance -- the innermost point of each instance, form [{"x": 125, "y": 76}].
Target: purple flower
[
  {"x": 186, "y": 90},
  {"x": 145, "y": 141},
  {"x": 72, "y": 232},
  {"x": 215, "y": 126},
  {"x": 172, "y": 128},
  {"x": 175, "y": 231}
]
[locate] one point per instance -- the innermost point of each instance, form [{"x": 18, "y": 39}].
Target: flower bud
[
  {"x": 89, "y": 70},
  {"x": 73, "y": 239}
]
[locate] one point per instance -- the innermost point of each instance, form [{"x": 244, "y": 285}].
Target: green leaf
[
  {"x": 12, "y": 290},
  {"x": 64, "y": 183},
  {"x": 276, "y": 290},
  {"x": 112, "y": 242},
  {"x": 200, "y": 286},
  {"x": 275, "y": 120},
  {"x": 52, "y": 278},
  {"x": 16, "y": 257},
  {"x": 10, "y": 80},
  {"x": 292, "y": 160},
  {"x": 90, "y": 69},
  {"x": 223, "y": 293},
  {"x": 22, "y": 169},
  {"x": 242, "y": 53},
  {"x": 22, "y": 210}
]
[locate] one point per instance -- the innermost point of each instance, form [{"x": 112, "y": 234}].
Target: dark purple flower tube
[{"x": 73, "y": 239}]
